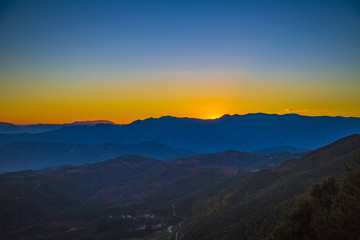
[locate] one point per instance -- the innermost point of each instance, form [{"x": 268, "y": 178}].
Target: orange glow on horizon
[{"x": 32, "y": 100}]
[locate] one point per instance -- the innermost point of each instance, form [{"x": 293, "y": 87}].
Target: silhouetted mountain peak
[
  {"x": 89, "y": 122},
  {"x": 6, "y": 124},
  {"x": 8, "y": 127}
]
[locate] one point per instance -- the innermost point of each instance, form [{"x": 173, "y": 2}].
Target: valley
[{"x": 195, "y": 197}]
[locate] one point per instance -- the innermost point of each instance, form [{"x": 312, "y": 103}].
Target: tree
[{"x": 329, "y": 211}]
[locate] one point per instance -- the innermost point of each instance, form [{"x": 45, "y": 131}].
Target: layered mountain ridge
[
  {"x": 240, "y": 132},
  {"x": 198, "y": 197}
]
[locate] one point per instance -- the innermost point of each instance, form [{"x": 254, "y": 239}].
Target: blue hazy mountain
[
  {"x": 38, "y": 128},
  {"x": 9, "y": 128},
  {"x": 17, "y": 156},
  {"x": 239, "y": 132}
]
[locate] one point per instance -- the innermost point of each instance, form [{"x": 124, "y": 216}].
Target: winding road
[{"x": 174, "y": 214}]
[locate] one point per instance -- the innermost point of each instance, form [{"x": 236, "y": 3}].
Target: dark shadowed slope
[
  {"x": 242, "y": 160},
  {"x": 108, "y": 188},
  {"x": 329, "y": 210},
  {"x": 19, "y": 156},
  {"x": 249, "y": 206},
  {"x": 33, "y": 197},
  {"x": 200, "y": 192},
  {"x": 239, "y": 132},
  {"x": 49, "y": 202},
  {"x": 282, "y": 149}
]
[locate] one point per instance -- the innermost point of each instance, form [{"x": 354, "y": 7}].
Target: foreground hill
[
  {"x": 240, "y": 132},
  {"x": 249, "y": 205},
  {"x": 50, "y": 202},
  {"x": 33, "y": 197},
  {"x": 199, "y": 197},
  {"x": 131, "y": 185},
  {"x": 19, "y": 156},
  {"x": 237, "y": 159},
  {"x": 329, "y": 210},
  {"x": 278, "y": 149}
]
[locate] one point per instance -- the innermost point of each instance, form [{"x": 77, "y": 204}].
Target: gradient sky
[{"x": 62, "y": 61}]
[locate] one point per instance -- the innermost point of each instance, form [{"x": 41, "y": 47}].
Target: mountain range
[
  {"x": 239, "y": 132},
  {"x": 228, "y": 178},
  {"x": 37, "y": 128},
  {"x": 17, "y": 156},
  {"x": 208, "y": 196}
]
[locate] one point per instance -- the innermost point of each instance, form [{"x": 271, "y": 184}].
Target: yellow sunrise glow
[{"x": 213, "y": 115}]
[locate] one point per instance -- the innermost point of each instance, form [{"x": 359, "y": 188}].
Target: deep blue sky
[
  {"x": 53, "y": 41},
  {"x": 162, "y": 35}
]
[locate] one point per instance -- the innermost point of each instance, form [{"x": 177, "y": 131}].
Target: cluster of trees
[{"x": 329, "y": 211}]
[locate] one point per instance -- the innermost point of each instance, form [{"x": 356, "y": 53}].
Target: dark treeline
[{"x": 329, "y": 211}]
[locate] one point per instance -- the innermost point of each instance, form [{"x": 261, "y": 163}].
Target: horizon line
[{"x": 183, "y": 117}]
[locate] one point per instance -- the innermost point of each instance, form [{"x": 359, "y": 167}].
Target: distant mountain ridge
[
  {"x": 240, "y": 132},
  {"x": 17, "y": 156},
  {"x": 38, "y": 128},
  {"x": 9, "y": 128},
  {"x": 92, "y": 122}
]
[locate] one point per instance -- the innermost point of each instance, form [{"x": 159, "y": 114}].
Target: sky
[{"x": 62, "y": 61}]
